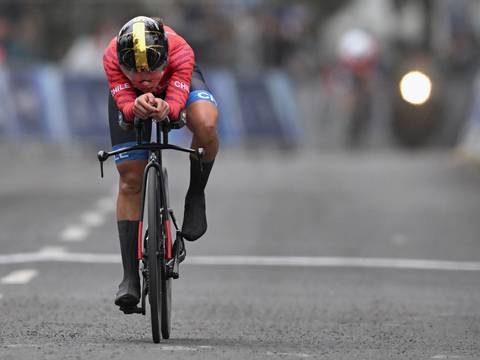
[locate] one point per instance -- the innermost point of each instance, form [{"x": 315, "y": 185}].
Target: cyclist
[
  {"x": 358, "y": 52},
  {"x": 152, "y": 74}
]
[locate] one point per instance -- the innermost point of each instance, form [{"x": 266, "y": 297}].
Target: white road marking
[
  {"x": 184, "y": 348},
  {"x": 80, "y": 231},
  {"x": 19, "y": 277},
  {"x": 308, "y": 261},
  {"x": 74, "y": 233},
  {"x": 20, "y": 345},
  {"x": 106, "y": 204},
  {"x": 300, "y": 355},
  {"x": 163, "y": 347},
  {"x": 59, "y": 254},
  {"x": 93, "y": 218}
]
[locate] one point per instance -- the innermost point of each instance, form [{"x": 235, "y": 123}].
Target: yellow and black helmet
[{"x": 142, "y": 45}]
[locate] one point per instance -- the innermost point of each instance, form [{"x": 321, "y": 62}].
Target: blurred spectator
[
  {"x": 22, "y": 46},
  {"x": 209, "y": 29},
  {"x": 248, "y": 55},
  {"x": 285, "y": 29},
  {"x": 3, "y": 39},
  {"x": 27, "y": 37},
  {"x": 86, "y": 53}
]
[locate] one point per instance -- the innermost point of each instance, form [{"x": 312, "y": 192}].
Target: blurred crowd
[
  {"x": 303, "y": 38},
  {"x": 246, "y": 35},
  {"x": 243, "y": 35},
  {"x": 19, "y": 38}
]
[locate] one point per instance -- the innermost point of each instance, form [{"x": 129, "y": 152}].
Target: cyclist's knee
[
  {"x": 202, "y": 119},
  {"x": 131, "y": 175},
  {"x": 130, "y": 184}
]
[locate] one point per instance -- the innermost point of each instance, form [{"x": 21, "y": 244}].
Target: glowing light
[{"x": 416, "y": 88}]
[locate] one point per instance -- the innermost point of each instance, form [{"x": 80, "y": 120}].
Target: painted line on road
[
  {"x": 59, "y": 254},
  {"x": 19, "y": 277},
  {"x": 184, "y": 348},
  {"x": 24, "y": 345},
  {"x": 74, "y": 233},
  {"x": 309, "y": 261},
  {"x": 94, "y": 218},
  {"x": 106, "y": 204},
  {"x": 300, "y": 355},
  {"x": 103, "y": 345}
]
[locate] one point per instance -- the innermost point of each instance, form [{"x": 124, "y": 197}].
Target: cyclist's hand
[
  {"x": 144, "y": 106},
  {"x": 162, "y": 109}
]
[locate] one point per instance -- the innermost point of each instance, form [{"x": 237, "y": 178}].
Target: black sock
[
  {"x": 128, "y": 234},
  {"x": 127, "y": 228},
  {"x": 199, "y": 179}
]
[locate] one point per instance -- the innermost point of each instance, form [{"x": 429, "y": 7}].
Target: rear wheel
[
  {"x": 166, "y": 303},
  {"x": 154, "y": 253}
]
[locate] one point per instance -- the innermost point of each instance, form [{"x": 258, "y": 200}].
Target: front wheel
[
  {"x": 166, "y": 280},
  {"x": 154, "y": 253}
]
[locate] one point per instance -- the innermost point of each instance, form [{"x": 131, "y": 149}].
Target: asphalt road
[{"x": 341, "y": 214}]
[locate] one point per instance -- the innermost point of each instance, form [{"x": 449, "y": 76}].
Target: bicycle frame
[{"x": 156, "y": 162}]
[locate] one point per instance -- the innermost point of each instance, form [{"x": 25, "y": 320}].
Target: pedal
[
  {"x": 179, "y": 254},
  {"x": 172, "y": 268},
  {"x": 179, "y": 250}
]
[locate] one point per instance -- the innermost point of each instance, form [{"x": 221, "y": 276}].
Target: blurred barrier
[
  {"x": 469, "y": 146},
  {"x": 44, "y": 104}
]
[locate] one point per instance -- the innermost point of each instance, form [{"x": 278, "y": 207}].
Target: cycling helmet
[
  {"x": 142, "y": 45},
  {"x": 358, "y": 50}
]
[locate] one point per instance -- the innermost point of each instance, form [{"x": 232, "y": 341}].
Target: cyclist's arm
[
  {"x": 181, "y": 61},
  {"x": 120, "y": 87}
]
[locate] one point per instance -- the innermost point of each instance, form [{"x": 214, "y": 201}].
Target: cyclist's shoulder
[
  {"x": 110, "y": 51},
  {"x": 175, "y": 41},
  {"x": 110, "y": 61}
]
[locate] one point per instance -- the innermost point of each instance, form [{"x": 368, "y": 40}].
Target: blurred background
[
  {"x": 288, "y": 74},
  {"x": 341, "y": 126}
]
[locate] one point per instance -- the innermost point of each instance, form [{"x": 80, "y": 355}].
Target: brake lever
[{"x": 102, "y": 156}]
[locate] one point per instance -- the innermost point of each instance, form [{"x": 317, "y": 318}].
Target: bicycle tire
[
  {"x": 166, "y": 281},
  {"x": 153, "y": 253}
]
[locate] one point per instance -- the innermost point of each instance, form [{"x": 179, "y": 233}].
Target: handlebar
[
  {"x": 103, "y": 156},
  {"x": 166, "y": 123},
  {"x": 165, "y": 126}
]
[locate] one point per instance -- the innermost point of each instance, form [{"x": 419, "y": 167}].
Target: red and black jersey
[{"x": 175, "y": 83}]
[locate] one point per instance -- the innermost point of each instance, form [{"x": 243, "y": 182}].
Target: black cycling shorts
[{"x": 122, "y": 138}]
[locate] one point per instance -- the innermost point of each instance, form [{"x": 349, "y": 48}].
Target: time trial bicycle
[{"x": 159, "y": 257}]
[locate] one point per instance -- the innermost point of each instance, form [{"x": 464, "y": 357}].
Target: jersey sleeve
[
  {"x": 120, "y": 87},
  {"x": 181, "y": 62}
]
